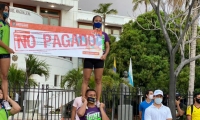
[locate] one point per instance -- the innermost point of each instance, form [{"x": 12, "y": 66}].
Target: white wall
[
  {"x": 69, "y": 19},
  {"x": 58, "y": 66},
  {"x": 64, "y": 2},
  {"x": 111, "y": 19},
  {"x": 23, "y": 15}
]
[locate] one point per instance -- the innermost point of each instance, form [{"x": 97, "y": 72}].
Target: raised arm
[
  {"x": 15, "y": 106},
  {"x": 103, "y": 113},
  {"x": 82, "y": 109}
]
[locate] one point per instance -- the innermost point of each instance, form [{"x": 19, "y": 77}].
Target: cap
[
  {"x": 158, "y": 92},
  {"x": 178, "y": 94}
]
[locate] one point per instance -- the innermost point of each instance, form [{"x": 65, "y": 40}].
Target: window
[
  {"x": 65, "y": 57},
  {"x": 56, "y": 80},
  {"x": 113, "y": 30},
  {"x": 80, "y": 62},
  {"x": 108, "y": 30},
  {"x": 116, "y": 32},
  {"x": 50, "y": 17},
  {"x": 31, "y": 8},
  {"x": 62, "y": 77},
  {"x": 85, "y": 25}
]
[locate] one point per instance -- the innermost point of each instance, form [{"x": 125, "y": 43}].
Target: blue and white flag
[{"x": 130, "y": 73}]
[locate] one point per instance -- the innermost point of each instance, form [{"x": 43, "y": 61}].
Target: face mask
[
  {"x": 150, "y": 97},
  {"x": 198, "y": 100},
  {"x": 158, "y": 100},
  {"x": 1, "y": 100},
  {"x": 5, "y": 15},
  {"x": 91, "y": 100},
  {"x": 97, "y": 25}
]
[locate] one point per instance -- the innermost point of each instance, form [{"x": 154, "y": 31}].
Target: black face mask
[
  {"x": 198, "y": 100},
  {"x": 1, "y": 100},
  {"x": 91, "y": 100}
]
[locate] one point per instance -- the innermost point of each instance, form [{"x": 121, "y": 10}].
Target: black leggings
[
  {"x": 93, "y": 63},
  {"x": 4, "y": 56}
]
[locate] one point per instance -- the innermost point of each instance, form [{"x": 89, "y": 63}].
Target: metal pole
[
  {"x": 113, "y": 107},
  {"x": 47, "y": 101},
  {"x": 42, "y": 102},
  {"x": 25, "y": 96}
]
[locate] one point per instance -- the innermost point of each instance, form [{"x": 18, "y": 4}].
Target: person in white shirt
[
  {"x": 157, "y": 111},
  {"x": 16, "y": 97},
  {"x": 76, "y": 105}
]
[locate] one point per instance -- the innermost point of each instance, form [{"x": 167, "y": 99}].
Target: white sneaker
[
  {"x": 6, "y": 105},
  {"x": 98, "y": 104}
]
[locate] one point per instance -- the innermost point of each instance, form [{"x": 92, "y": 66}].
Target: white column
[
  {"x": 38, "y": 9},
  {"x": 11, "y": 4}
]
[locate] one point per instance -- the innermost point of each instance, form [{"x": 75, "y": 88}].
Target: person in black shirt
[{"x": 180, "y": 107}]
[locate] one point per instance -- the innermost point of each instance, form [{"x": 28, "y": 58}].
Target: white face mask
[
  {"x": 150, "y": 97},
  {"x": 158, "y": 100}
]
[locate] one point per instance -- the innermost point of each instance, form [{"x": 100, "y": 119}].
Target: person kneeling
[
  {"x": 92, "y": 111},
  {"x": 4, "y": 114}
]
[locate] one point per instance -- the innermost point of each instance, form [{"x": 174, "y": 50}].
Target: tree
[
  {"x": 193, "y": 52},
  {"x": 104, "y": 11},
  {"x": 17, "y": 78},
  {"x": 72, "y": 78},
  {"x": 33, "y": 66},
  {"x": 181, "y": 36},
  {"x": 149, "y": 54},
  {"x": 137, "y": 2},
  {"x": 36, "y": 66}
]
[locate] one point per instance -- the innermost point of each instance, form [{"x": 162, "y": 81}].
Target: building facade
[{"x": 64, "y": 13}]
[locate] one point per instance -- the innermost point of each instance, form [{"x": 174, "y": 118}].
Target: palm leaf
[
  {"x": 16, "y": 77},
  {"x": 112, "y": 11},
  {"x": 104, "y": 9},
  {"x": 36, "y": 66},
  {"x": 135, "y": 6},
  {"x": 71, "y": 78}
]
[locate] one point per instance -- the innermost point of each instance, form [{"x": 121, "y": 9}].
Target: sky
[{"x": 124, "y": 7}]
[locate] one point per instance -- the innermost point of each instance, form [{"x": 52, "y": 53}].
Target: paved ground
[{"x": 28, "y": 116}]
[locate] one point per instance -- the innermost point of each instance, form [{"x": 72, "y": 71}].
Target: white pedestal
[{"x": 125, "y": 112}]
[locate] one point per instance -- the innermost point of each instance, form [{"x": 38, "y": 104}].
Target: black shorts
[
  {"x": 93, "y": 63},
  {"x": 4, "y": 56}
]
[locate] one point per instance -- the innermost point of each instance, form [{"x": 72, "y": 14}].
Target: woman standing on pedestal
[
  {"x": 96, "y": 64},
  {"x": 5, "y": 51}
]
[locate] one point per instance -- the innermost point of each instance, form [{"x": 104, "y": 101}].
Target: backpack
[{"x": 191, "y": 109}]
